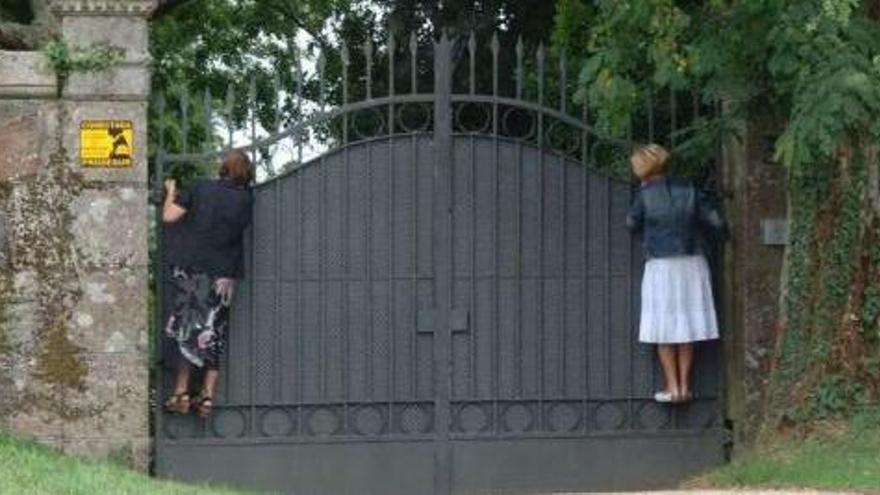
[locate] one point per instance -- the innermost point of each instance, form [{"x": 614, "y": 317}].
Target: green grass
[
  {"x": 30, "y": 469},
  {"x": 834, "y": 457}
]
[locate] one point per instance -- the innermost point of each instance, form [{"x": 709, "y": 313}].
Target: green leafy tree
[
  {"x": 227, "y": 44},
  {"x": 813, "y": 65}
]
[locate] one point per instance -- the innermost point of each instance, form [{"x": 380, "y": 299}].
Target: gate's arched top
[{"x": 522, "y": 96}]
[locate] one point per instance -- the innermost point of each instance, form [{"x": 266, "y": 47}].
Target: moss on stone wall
[
  {"x": 42, "y": 250},
  {"x": 59, "y": 361}
]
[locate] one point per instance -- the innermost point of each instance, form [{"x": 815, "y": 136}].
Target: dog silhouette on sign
[{"x": 121, "y": 150}]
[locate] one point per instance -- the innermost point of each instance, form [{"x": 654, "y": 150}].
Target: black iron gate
[{"x": 446, "y": 305}]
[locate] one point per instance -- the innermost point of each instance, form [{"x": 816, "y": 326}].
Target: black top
[{"x": 209, "y": 238}]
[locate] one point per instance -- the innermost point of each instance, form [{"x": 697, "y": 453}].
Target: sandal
[
  {"x": 178, "y": 403},
  {"x": 204, "y": 406}
]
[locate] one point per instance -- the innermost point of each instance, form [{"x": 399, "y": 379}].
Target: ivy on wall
[{"x": 813, "y": 65}]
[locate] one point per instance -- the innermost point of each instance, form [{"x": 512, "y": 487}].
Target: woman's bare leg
[
  {"x": 181, "y": 379},
  {"x": 668, "y": 357},
  {"x": 685, "y": 363},
  {"x": 210, "y": 383}
]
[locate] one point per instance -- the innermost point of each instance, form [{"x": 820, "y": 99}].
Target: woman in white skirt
[{"x": 677, "y": 303}]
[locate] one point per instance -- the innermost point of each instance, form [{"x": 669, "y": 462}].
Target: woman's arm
[
  {"x": 710, "y": 215},
  {"x": 171, "y": 211},
  {"x": 636, "y": 216}
]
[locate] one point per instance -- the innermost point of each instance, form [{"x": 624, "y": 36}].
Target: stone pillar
[
  {"x": 756, "y": 203},
  {"x": 74, "y": 291}
]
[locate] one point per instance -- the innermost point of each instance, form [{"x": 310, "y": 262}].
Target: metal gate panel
[
  {"x": 544, "y": 357},
  {"x": 331, "y": 356},
  {"x": 443, "y": 306}
]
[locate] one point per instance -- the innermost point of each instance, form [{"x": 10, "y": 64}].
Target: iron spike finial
[{"x": 495, "y": 45}]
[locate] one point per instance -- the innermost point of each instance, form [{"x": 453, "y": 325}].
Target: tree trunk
[{"x": 42, "y": 29}]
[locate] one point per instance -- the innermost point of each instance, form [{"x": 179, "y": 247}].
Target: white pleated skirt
[{"x": 677, "y": 304}]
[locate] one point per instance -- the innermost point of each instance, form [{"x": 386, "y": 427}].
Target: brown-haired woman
[
  {"x": 206, "y": 257},
  {"x": 677, "y": 304}
]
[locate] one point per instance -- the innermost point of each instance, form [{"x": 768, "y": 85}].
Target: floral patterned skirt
[{"x": 199, "y": 321}]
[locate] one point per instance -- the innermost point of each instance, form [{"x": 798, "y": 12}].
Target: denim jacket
[{"x": 670, "y": 213}]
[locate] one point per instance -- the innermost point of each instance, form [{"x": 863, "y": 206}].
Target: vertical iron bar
[
  {"x": 230, "y": 114},
  {"x": 472, "y": 51},
  {"x": 414, "y": 348},
  {"x": 251, "y": 276},
  {"x": 183, "y": 101},
  {"x": 207, "y": 102},
  {"x": 650, "y": 103},
  {"x": 300, "y": 331},
  {"x": 344, "y": 55},
  {"x": 322, "y": 276},
  {"x": 276, "y": 91},
  {"x": 519, "y": 275},
  {"x": 473, "y": 289},
  {"x": 346, "y": 260},
  {"x": 443, "y": 241},
  {"x": 607, "y": 274},
  {"x": 541, "y": 275},
  {"x": 563, "y": 83},
  {"x": 322, "y": 80},
  {"x": 629, "y": 340},
  {"x": 276, "y": 340},
  {"x": 346, "y": 386},
  {"x": 496, "y": 344},
  {"x": 413, "y": 50},
  {"x": 368, "y": 275},
  {"x": 368, "y": 56},
  {"x": 563, "y": 320},
  {"x": 252, "y": 97},
  {"x": 160, "y": 111},
  {"x": 673, "y": 119},
  {"x": 392, "y": 371},
  {"x": 300, "y": 82},
  {"x": 585, "y": 155},
  {"x": 413, "y": 61},
  {"x": 519, "y": 67},
  {"x": 252, "y": 108}
]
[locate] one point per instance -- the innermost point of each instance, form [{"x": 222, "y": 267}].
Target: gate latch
[{"x": 459, "y": 320}]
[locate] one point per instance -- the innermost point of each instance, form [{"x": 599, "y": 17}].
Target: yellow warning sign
[{"x": 106, "y": 143}]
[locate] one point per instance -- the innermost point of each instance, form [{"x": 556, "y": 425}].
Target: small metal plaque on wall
[
  {"x": 774, "y": 232},
  {"x": 106, "y": 143}
]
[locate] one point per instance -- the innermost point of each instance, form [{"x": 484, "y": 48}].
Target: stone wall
[
  {"x": 756, "y": 188},
  {"x": 73, "y": 263}
]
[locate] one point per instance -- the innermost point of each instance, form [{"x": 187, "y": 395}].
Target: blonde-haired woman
[{"x": 677, "y": 303}]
